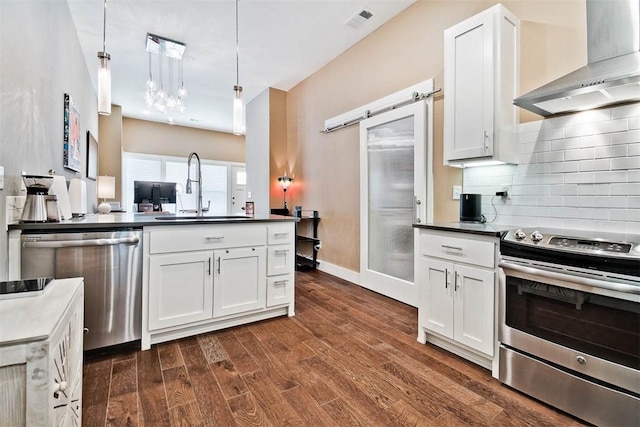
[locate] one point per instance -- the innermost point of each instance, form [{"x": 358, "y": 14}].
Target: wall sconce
[
  {"x": 285, "y": 181},
  {"x": 106, "y": 190}
]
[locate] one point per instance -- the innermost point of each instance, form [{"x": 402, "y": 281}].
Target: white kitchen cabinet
[
  {"x": 481, "y": 79},
  {"x": 457, "y": 293},
  {"x": 41, "y": 357},
  {"x": 183, "y": 288},
  {"x": 240, "y": 281},
  {"x": 200, "y": 278}
]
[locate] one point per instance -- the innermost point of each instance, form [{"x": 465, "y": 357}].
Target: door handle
[
  {"x": 218, "y": 266},
  {"x": 209, "y": 270},
  {"x": 81, "y": 243},
  {"x": 416, "y": 204},
  {"x": 486, "y": 142},
  {"x": 455, "y": 281},
  {"x": 446, "y": 278}
]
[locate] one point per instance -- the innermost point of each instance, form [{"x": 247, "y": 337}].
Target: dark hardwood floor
[{"x": 348, "y": 357}]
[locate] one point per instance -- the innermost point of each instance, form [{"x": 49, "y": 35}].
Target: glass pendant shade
[
  {"x": 238, "y": 112},
  {"x": 104, "y": 83}
]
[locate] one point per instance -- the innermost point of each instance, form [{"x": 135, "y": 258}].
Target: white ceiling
[{"x": 281, "y": 42}]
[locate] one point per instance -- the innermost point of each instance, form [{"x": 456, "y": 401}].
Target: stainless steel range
[{"x": 569, "y": 313}]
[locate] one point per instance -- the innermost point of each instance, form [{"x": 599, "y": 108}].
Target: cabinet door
[
  {"x": 180, "y": 288},
  {"x": 240, "y": 282},
  {"x": 469, "y": 88},
  {"x": 474, "y": 311},
  {"x": 439, "y": 297}
]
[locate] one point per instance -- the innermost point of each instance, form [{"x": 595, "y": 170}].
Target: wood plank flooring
[{"x": 348, "y": 358}]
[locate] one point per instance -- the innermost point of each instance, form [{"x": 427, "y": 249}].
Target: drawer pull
[
  {"x": 281, "y": 251},
  {"x": 280, "y": 282},
  {"x": 280, "y": 234},
  {"x": 453, "y": 248},
  {"x": 213, "y": 238}
]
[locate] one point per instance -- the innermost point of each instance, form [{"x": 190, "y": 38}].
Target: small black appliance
[{"x": 470, "y": 207}]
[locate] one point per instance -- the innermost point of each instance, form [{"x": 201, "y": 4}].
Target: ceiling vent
[{"x": 359, "y": 18}]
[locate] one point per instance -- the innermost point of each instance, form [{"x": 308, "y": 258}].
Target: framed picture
[
  {"x": 92, "y": 157},
  {"x": 72, "y": 149}
]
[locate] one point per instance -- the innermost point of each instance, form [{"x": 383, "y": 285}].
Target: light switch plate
[
  {"x": 1, "y": 178},
  {"x": 457, "y": 189}
]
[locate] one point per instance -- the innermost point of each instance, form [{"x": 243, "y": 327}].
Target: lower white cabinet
[
  {"x": 41, "y": 357},
  {"x": 240, "y": 281},
  {"x": 457, "y": 293},
  {"x": 245, "y": 276},
  {"x": 182, "y": 290}
]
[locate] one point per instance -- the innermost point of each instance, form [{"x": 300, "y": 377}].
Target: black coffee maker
[{"x": 471, "y": 207}]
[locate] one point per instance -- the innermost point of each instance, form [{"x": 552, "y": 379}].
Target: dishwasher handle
[{"x": 82, "y": 243}]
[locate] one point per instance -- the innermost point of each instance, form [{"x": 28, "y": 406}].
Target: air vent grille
[{"x": 359, "y": 18}]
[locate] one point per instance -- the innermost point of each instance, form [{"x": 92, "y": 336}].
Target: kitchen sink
[{"x": 200, "y": 218}]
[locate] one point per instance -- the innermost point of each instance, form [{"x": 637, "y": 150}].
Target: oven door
[{"x": 586, "y": 325}]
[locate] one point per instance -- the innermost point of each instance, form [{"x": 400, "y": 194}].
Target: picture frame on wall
[
  {"x": 92, "y": 157},
  {"x": 72, "y": 149}
]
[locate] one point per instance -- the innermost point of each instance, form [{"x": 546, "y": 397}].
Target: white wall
[
  {"x": 579, "y": 171},
  {"x": 257, "y": 152}
]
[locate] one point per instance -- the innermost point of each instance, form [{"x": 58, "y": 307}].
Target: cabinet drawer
[
  {"x": 280, "y": 260},
  {"x": 459, "y": 250},
  {"x": 280, "y": 234},
  {"x": 183, "y": 238},
  {"x": 280, "y": 289}
]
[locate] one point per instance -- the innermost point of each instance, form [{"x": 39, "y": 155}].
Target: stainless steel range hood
[{"x": 612, "y": 75}]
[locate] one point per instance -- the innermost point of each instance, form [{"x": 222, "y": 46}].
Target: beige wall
[
  {"x": 406, "y": 50},
  {"x": 141, "y": 136},
  {"x": 110, "y": 146},
  {"x": 278, "y": 157}
]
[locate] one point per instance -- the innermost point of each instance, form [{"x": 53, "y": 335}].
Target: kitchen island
[{"x": 199, "y": 274}]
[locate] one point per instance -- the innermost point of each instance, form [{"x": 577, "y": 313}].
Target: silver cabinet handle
[
  {"x": 79, "y": 243},
  {"x": 213, "y": 238},
  {"x": 455, "y": 281},
  {"x": 280, "y": 282},
  {"x": 218, "y": 266},
  {"x": 454, "y": 248},
  {"x": 209, "y": 270},
  {"x": 486, "y": 143},
  {"x": 446, "y": 278},
  {"x": 280, "y": 234},
  {"x": 281, "y": 251},
  {"x": 416, "y": 204}
]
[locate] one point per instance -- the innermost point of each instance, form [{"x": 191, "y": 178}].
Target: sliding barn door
[{"x": 393, "y": 196}]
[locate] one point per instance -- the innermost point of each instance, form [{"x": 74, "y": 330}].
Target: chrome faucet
[{"x": 199, "y": 181}]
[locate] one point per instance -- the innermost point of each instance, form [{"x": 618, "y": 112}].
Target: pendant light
[
  {"x": 238, "y": 107},
  {"x": 104, "y": 72}
]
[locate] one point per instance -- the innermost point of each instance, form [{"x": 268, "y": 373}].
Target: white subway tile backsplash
[
  {"x": 596, "y": 128},
  {"x": 594, "y": 189},
  {"x": 626, "y": 137},
  {"x": 613, "y": 176},
  {"x": 581, "y": 154},
  {"x": 579, "y": 171},
  {"x": 611, "y": 151},
  {"x": 595, "y": 165},
  {"x": 625, "y": 163},
  {"x": 625, "y": 189}
]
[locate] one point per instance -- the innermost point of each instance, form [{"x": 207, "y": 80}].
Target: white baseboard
[{"x": 341, "y": 272}]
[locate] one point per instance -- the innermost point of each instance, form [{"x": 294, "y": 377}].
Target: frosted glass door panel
[{"x": 390, "y": 155}]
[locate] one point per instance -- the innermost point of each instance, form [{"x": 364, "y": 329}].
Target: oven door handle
[
  {"x": 613, "y": 286},
  {"x": 80, "y": 243}
]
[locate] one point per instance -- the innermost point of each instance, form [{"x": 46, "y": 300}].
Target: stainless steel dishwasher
[{"x": 110, "y": 262}]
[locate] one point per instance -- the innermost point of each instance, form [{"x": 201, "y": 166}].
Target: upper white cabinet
[{"x": 481, "y": 57}]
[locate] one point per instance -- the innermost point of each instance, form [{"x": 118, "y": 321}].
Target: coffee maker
[{"x": 39, "y": 206}]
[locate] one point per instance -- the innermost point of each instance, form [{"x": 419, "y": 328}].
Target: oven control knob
[
  {"x": 519, "y": 234},
  {"x": 581, "y": 360},
  {"x": 536, "y": 236}
]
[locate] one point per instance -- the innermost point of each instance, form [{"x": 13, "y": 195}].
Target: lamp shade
[
  {"x": 285, "y": 181},
  {"x": 106, "y": 187}
]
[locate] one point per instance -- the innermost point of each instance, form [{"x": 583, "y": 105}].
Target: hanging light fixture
[
  {"x": 238, "y": 107},
  {"x": 104, "y": 71},
  {"x": 160, "y": 95}
]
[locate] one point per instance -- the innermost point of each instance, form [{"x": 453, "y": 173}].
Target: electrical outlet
[
  {"x": 457, "y": 189},
  {"x": 506, "y": 188}
]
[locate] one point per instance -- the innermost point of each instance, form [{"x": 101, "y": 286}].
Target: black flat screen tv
[{"x": 154, "y": 192}]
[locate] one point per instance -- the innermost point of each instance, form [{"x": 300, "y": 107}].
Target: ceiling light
[
  {"x": 104, "y": 71},
  {"x": 238, "y": 107},
  {"x": 159, "y": 95}
]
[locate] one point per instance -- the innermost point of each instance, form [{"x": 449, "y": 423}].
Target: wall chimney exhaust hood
[{"x": 612, "y": 75}]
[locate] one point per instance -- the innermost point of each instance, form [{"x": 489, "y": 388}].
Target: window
[{"x": 216, "y": 182}]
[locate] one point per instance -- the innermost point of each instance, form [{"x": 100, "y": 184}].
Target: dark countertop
[
  {"x": 485, "y": 229},
  {"x": 139, "y": 220}
]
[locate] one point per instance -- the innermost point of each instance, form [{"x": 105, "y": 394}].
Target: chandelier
[{"x": 159, "y": 94}]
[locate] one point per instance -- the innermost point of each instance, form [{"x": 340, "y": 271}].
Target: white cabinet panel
[
  {"x": 458, "y": 249},
  {"x": 280, "y": 260},
  {"x": 240, "y": 281},
  {"x": 181, "y": 288},
  {"x": 439, "y": 296},
  {"x": 280, "y": 290},
  {"x": 280, "y": 234},
  {"x": 193, "y": 238}
]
